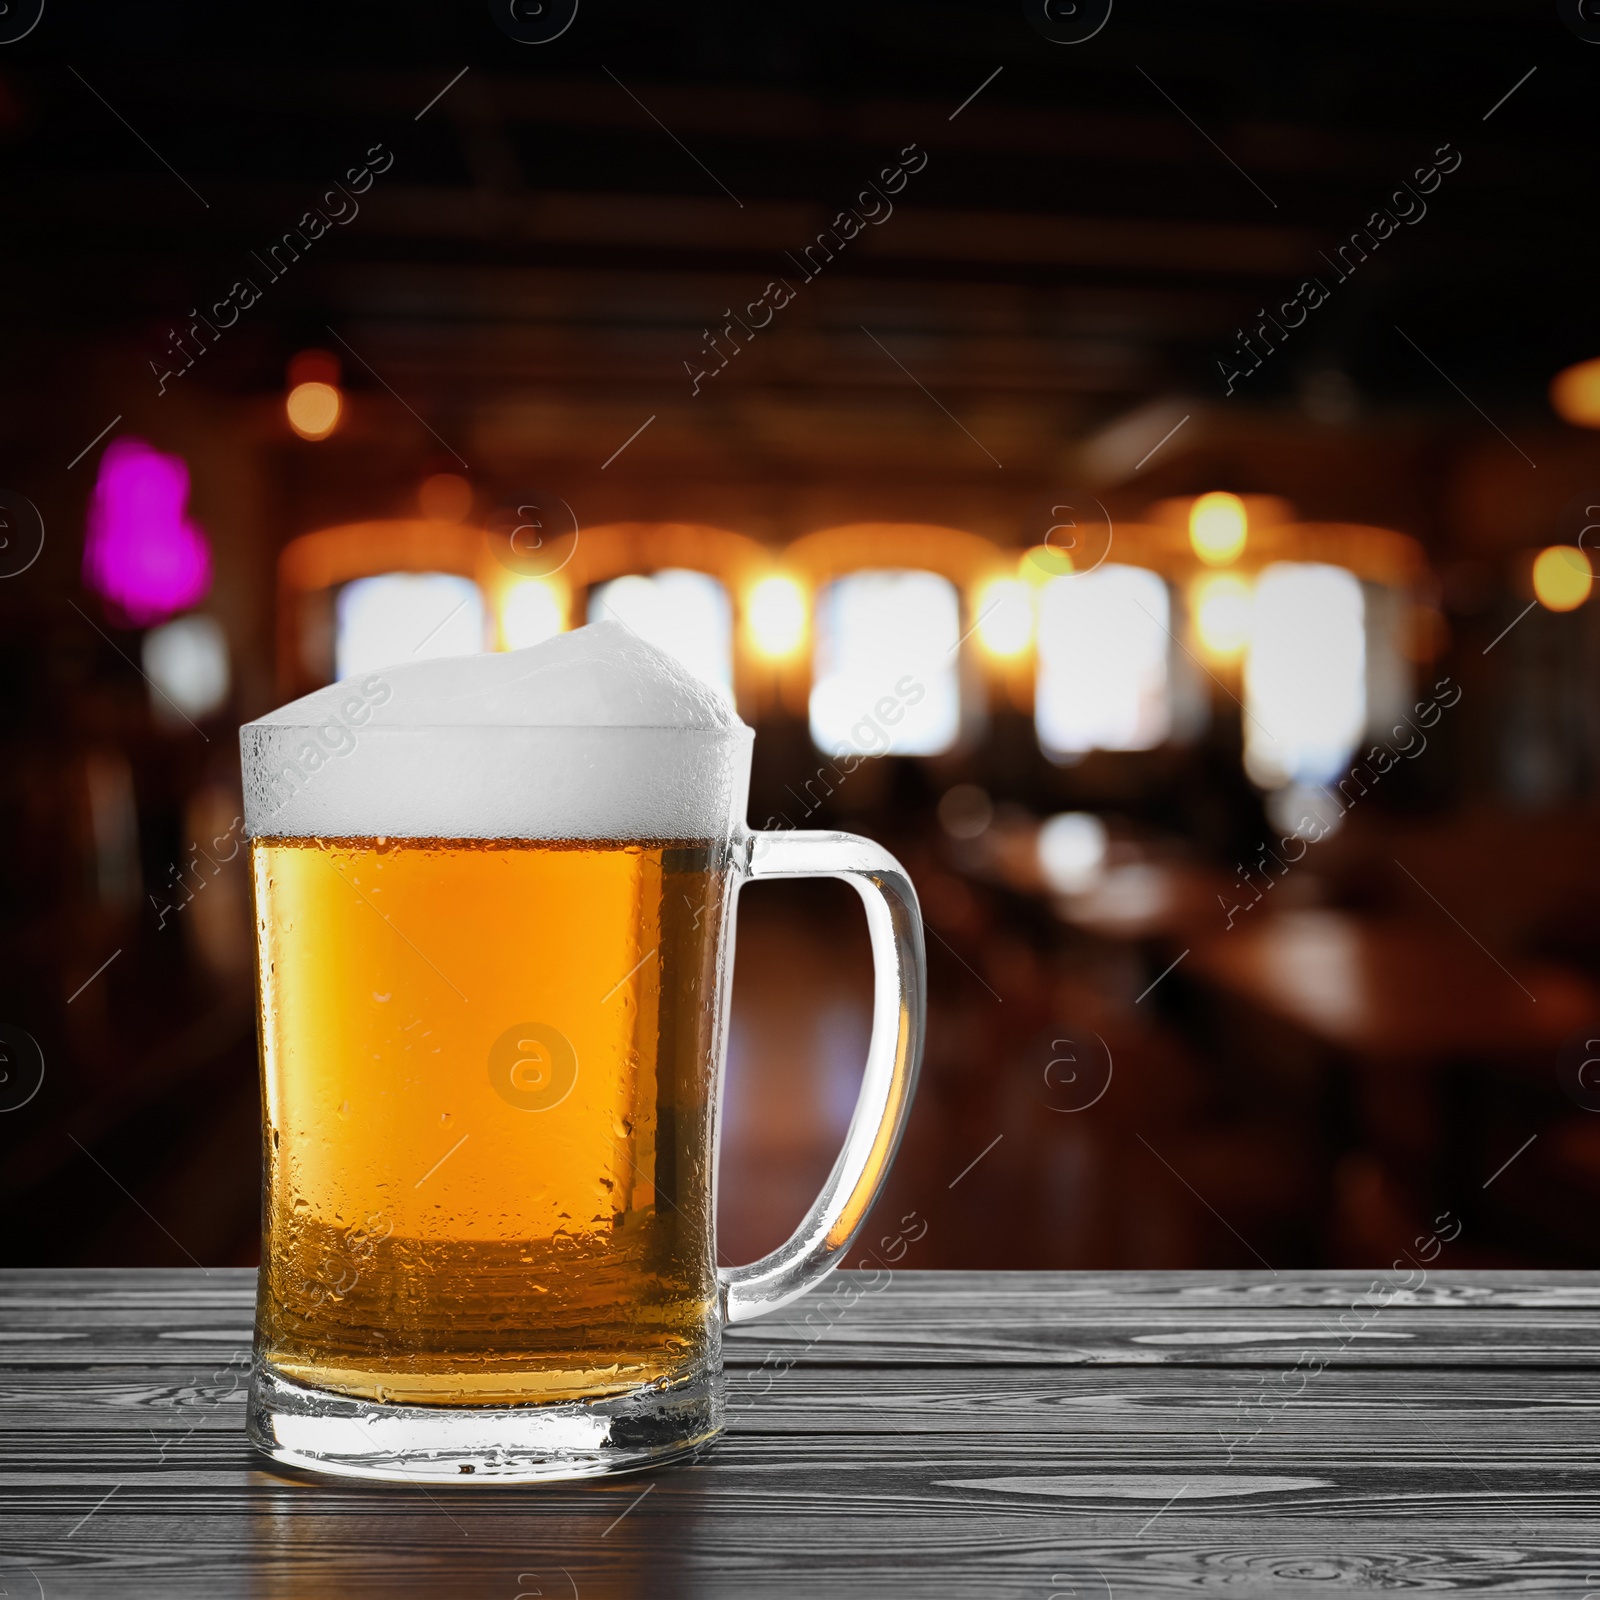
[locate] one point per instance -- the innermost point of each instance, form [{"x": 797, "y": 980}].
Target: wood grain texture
[{"x": 926, "y": 1434}]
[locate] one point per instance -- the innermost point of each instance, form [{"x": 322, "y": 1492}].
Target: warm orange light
[
  {"x": 445, "y": 497},
  {"x": 1218, "y": 526},
  {"x": 531, "y": 611},
  {"x": 1575, "y": 394},
  {"x": 1004, "y": 625},
  {"x": 1038, "y": 565},
  {"x": 1220, "y": 605},
  {"x": 775, "y": 615},
  {"x": 1562, "y": 577},
  {"x": 313, "y": 409}
]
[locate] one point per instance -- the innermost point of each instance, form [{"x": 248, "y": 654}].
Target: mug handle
[{"x": 899, "y": 1013}]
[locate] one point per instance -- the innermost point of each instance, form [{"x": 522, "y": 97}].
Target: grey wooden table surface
[{"x": 1003, "y": 1434}]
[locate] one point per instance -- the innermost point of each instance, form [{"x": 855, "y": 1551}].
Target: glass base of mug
[{"x": 322, "y": 1431}]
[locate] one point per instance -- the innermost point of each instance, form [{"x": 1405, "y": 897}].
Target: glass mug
[{"x": 493, "y": 1004}]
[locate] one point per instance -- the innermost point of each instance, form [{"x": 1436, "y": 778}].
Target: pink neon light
[{"x": 141, "y": 552}]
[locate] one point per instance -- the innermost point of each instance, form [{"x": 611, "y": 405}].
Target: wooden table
[
  {"x": 946, "y": 1434},
  {"x": 1394, "y": 991},
  {"x": 1145, "y": 901}
]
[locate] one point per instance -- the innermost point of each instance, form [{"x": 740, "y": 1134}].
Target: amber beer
[
  {"x": 494, "y": 904},
  {"x": 488, "y": 1073}
]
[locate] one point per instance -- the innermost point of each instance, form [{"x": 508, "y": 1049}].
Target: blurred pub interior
[{"x": 1226, "y": 682}]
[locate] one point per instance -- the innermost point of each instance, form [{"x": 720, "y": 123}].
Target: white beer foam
[
  {"x": 591, "y": 734},
  {"x": 602, "y": 676}
]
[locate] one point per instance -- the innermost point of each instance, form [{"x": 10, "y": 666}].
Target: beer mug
[{"x": 494, "y": 907}]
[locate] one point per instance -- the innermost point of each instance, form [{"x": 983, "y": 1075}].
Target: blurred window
[
  {"x": 685, "y": 613},
  {"x": 1305, "y": 676},
  {"x": 531, "y": 611},
  {"x": 886, "y": 677},
  {"x": 406, "y": 616},
  {"x": 1103, "y": 681}
]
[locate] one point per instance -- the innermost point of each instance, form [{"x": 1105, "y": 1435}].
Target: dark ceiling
[{"x": 560, "y": 228}]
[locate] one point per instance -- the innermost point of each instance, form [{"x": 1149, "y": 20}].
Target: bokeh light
[
  {"x": 775, "y": 613},
  {"x": 1072, "y": 851},
  {"x": 1220, "y": 605},
  {"x": 1037, "y": 565},
  {"x": 313, "y": 409},
  {"x": 186, "y": 665},
  {"x": 1218, "y": 527},
  {"x": 965, "y": 810},
  {"x": 1562, "y": 577},
  {"x": 445, "y": 497},
  {"x": 1575, "y": 394},
  {"x": 1005, "y": 617},
  {"x": 143, "y": 554}
]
